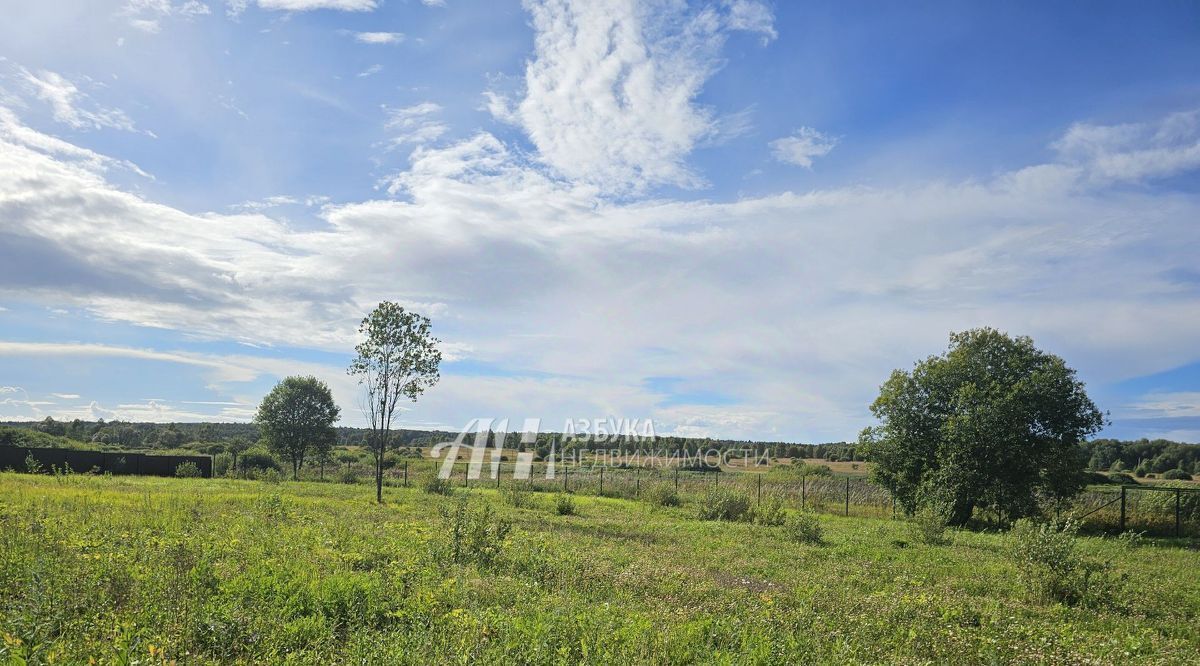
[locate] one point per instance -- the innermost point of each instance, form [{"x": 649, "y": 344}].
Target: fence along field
[
  {"x": 103, "y": 462},
  {"x": 1160, "y": 510}
]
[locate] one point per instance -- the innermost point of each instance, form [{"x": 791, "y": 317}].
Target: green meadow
[{"x": 145, "y": 571}]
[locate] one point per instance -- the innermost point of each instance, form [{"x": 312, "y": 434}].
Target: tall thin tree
[{"x": 397, "y": 359}]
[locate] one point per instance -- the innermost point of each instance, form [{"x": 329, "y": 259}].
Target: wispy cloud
[
  {"x": 311, "y": 5},
  {"x": 802, "y": 147},
  {"x": 414, "y": 124},
  {"x": 379, "y": 37},
  {"x": 148, "y": 15},
  {"x": 70, "y": 105}
]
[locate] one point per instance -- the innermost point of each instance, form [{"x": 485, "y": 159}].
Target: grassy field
[{"x": 140, "y": 570}]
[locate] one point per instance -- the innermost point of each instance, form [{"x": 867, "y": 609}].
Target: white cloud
[
  {"x": 752, "y": 16},
  {"x": 794, "y": 305},
  {"x": 193, "y": 8},
  {"x": 1167, "y": 404},
  {"x": 370, "y": 71},
  {"x": 148, "y": 26},
  {"x": 66, "y": 396},
  {"x": 609, "y": 97},
  {"x": 70, "y": 105},
  {"x": 278, "y": 200},
  {"x": 804, "y": 145},
  {"x": 310, "y": 5},
  {"x": 412, "y": 124},
  {"x": 1133, "y": 152},
  {"x": 148, "y": 15},
  {"x": 379, "y": 37},
  {"x": 434, "y": 3},
  {"x": 96, "y": 412}
]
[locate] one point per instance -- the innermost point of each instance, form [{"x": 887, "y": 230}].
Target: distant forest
[
  {"x": 122, "y": 435},
  {"x": 1139, "y": 457}
]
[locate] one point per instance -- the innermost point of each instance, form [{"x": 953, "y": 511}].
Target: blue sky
[{"x": 733, "y": 218}]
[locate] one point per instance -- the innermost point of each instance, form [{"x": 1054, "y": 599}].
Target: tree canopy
[
  {"x": 296, "y": 419},
  {"x": 993, "y": 423}
]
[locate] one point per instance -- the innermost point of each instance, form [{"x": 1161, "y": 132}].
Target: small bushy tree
[
  {"x": 296, "y": 419},
  {"x": 992, "y": 423}
]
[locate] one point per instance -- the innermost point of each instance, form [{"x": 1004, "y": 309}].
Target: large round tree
[
  {"x": 296, "y": 418},
  {"x": 993, "y": 423}
]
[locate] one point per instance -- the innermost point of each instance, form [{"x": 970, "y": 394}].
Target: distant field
[{"x": 223, "y": 571}]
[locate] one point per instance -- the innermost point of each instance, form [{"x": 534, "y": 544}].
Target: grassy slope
[{"x": 246, "y": 571}]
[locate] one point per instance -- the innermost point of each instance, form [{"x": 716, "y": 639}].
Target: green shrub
[
  {"x": 808, "y": 469},
  {"x": 348, "y": 476},
  {"x": 1131, "y": 539},
  {"x": 1051, "y": 568},
  {"x": 187, "y": 470},
  {"x": 32, "y": 466},
  {"x": 663, "y": 494},
  {"x": 1176, "y": 475},
  {"x": 436, "y": 485},
  {"x": 257, "y": 460},
  {"x": 564, "y": 505},
  {"x": 271, "y": 476},
  {"x": 928, "y": 526},
  {"x": 474, "y": 535},
  {"x": 517, "y": 497},
  {"x": 769, "y": 512},
  {"x": 222, "y": 463},
  {"x": 724, "y": 504},
  {"x": 804, "y": 527}
]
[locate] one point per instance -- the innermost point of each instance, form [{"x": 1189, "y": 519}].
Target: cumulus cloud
[
  {"x": 802, "y": 147},
  {"x": 610, "y": 97},
  {"x": 795, "y": 305}
]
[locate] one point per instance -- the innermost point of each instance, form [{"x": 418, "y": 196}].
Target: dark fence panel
[{"x": 113, "y": 462}]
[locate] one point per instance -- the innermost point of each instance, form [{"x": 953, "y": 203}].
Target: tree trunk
[
  {"x": 379, "y": 478},
  {"x": 295, "y": 469}
]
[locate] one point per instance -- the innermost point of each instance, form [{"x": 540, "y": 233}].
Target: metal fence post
[
  {"x": 1177, "y": 493},
  {"x": 601, "y": 480},
  {"x": 760, "y": 488},
  {"x": 405, "y": 473},
  {"x": 1122, "y": 508},
  {"x": 803, "y": 491},
  {"x": 565, "y": 473},
  {"x": 637, "y": 480},
  {"x": 676, "y": 479},
  {"x": 847, "y": 496}
]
